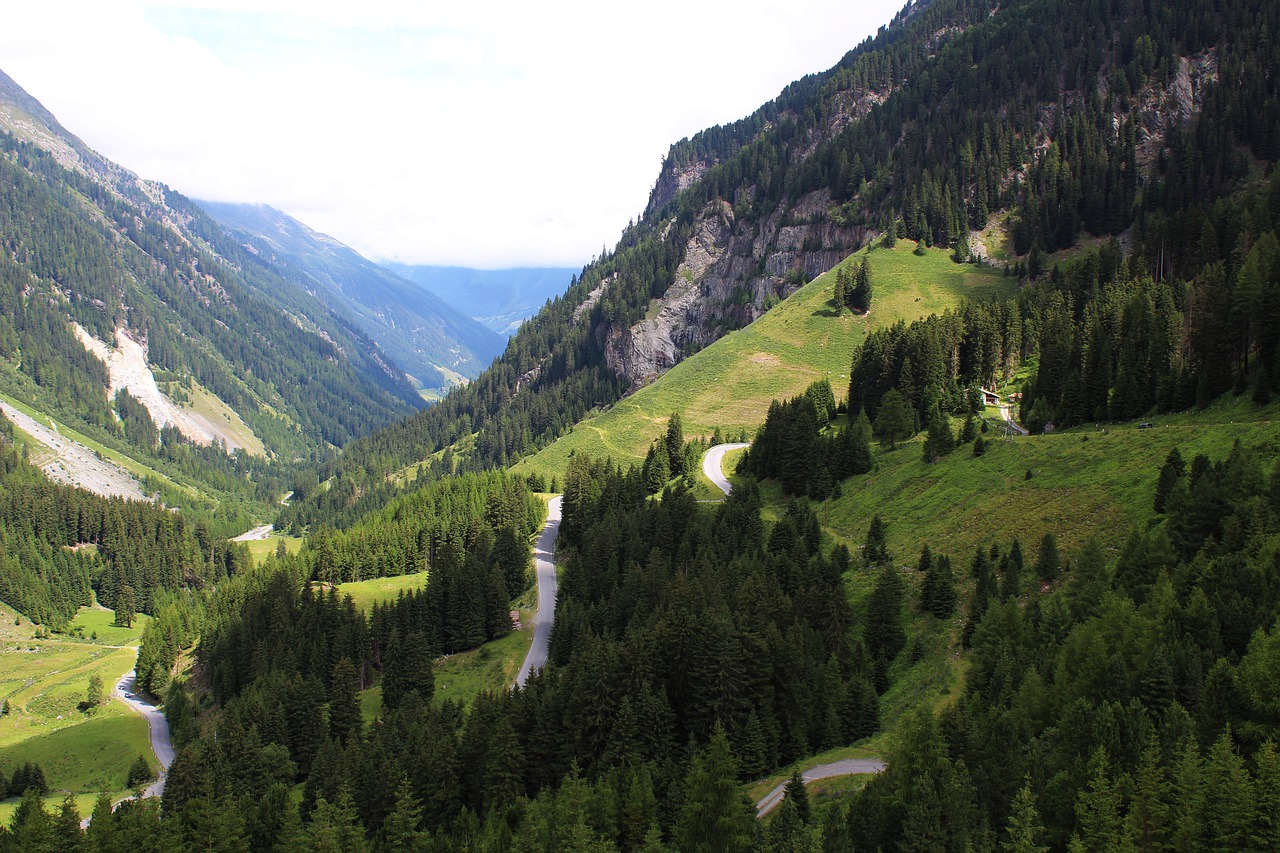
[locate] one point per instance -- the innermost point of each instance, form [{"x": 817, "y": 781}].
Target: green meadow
[
  {"x": 730, "y": 384},
  {"x": 365, "y": 594},
  {"x": 1084, "y": 482},
  {"x": 44, "y": 680}
]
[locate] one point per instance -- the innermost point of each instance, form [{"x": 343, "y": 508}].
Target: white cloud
[{"x": 486, "y": 134}]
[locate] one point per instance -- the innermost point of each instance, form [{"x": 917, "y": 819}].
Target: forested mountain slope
[
  {"x": 1076, "y": 120},
  {"x": 98, "y": 259},
  {"x": 428, "y": 339},
  {"x": 1114, "y": 694}
]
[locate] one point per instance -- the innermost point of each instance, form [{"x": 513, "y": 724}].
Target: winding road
[
  {"x": 157, "y": 727},
  {"x": 545, "y": 567},
  {"x": 713, "y": 467},
  {"x": 845, "y": 767},
  {"x": 713, "y": 464}
]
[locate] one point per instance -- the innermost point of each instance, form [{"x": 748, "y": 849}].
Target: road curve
[
  {"x": 713, "y": 464},
  {"x": 157, "y": 726},
  {"x": 845, "y": 767},
  {"x": 544, "y": 562}
]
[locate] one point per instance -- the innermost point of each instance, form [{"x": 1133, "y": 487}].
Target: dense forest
[
  {"x": 1110, "y": 701},
  {"x": 139, "y": 549}
]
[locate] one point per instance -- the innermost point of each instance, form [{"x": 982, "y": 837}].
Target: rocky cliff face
[{"x": 734, "y": 270}]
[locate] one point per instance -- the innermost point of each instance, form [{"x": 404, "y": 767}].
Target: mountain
[
  {"x": 1001, "y": 136},
  {"x": 428, "y": 339},
  {"x": 500, "y": 299},
  {"x": 115, "y": 285}
]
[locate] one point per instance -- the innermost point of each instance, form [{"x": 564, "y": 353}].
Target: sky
[{"x": 488, "y": 134}]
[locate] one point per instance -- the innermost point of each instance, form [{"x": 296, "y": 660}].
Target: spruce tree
[
  {"x": 799, "y": 797},
  {"x": 674, "y": 441},
  {"x": 1048, "y": 563},
  {"x": 715, "y": 817},
  {"x": 1024, "y": 829},
  {"x": 894, "y": 419},
  {"x": 344, "y": 702},
  {"x": 876, "y": 549}
]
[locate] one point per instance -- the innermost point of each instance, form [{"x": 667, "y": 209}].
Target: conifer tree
[
  {"x": 675, "y": 445},
  {"x": 876, "y": 549},
  {"x": 894, "y": 419},
  {"x": 715, "y": 817},
  {"x": 344, "y": 703},
  {"x": 1024, "y": 829},
  {"x": 799, "y": 797},
  {"x": 400, "y": 831},
  {"x": 1048, "y": 563}
]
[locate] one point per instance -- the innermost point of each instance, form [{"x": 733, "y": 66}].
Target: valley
[{"x": 904, "y": 478}]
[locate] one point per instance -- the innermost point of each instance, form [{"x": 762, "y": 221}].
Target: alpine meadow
[{"x": 905, "y": 478}]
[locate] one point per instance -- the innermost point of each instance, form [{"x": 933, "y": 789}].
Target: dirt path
[
  {"x": 846, "y": 767},
  {"x": 73, "y": 463},
  {"x": 1007, "y": 413},
  {"x": 713, "y": 465},
  {"x": 545, "y": 565}
]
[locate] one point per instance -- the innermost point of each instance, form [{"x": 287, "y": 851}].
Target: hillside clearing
[{"x": 730, "y": 384}]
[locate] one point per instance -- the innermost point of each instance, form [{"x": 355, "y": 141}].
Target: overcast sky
[{"x": 483, "y": 134}]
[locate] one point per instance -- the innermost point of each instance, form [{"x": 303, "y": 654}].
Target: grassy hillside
[
  {"x": 1084, "y": 482},
  {"x": 45, "y": 678},
  {"x": 730, "y": 383}
]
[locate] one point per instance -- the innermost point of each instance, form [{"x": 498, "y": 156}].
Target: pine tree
[
  {"x": 674, "y": 441},
  {"x": 657, "y": 468},
  {"x": 876, "y": 549},
  {"x": 894, "y": 419},
  {"x": 400, "y": 831},
  {"x": 860, "y": 296},
  {"x": 1048, "y": 563},
  {"x": 1098, "y": 821},
  {"x": 799, "y": 797},
  {"x": 715, "y": 817},
  {"x": 344, "y": 703},
  {"x": 940, "y": 439},
  {"x": 839, "y": 298},
  {"x": 1024, "y": 829},
  {"x": 1170, "y": 473}
]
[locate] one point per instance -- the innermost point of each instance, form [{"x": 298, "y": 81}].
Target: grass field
[
  {"x": 365, "y": 594},
  {"x": 208, "y": 405},
  {"x": 1084, "y": 482},
  {"x": 260, "y": 549},
  {"x": 493, "y": 666},
  {"x": 44, "y": 680},
  {"x": 731, "y": 383}
]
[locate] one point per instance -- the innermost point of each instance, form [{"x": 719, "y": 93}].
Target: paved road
[
  {"x": 845, "y": 767},
  {"x": 713, "y": 465},
  {"x": 255, "y": 534},
  {"x": 157, "y": 728},
  {"x": 157, "y": 725},
  {"x": 545, "y": 566}
]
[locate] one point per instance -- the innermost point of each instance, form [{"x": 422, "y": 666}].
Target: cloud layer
[{"x": 487, "y": 134}]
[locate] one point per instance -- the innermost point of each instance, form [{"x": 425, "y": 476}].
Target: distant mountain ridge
[
  {"x": 499, "y": 299},
  {"x": 94, "y": 252},
  {"x": 428, "y": 338}
]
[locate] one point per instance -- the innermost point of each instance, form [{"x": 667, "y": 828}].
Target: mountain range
[
  {"x": 499, "y": 299},
  {"x": 436, "y": 344}
]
